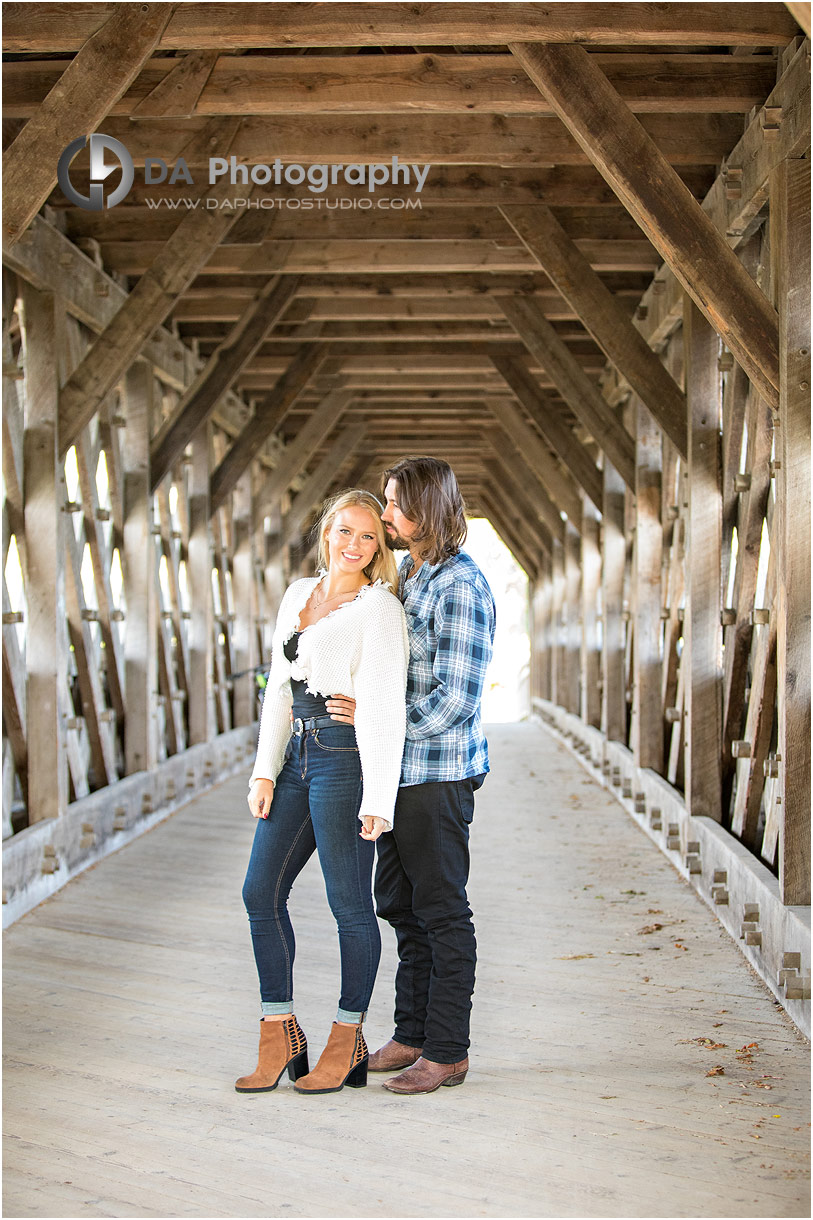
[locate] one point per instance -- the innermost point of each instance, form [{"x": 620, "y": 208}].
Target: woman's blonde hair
[{"x": 382, "y": 566}]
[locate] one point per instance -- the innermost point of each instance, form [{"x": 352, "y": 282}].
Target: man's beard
[{"x": 394, "y": 541}]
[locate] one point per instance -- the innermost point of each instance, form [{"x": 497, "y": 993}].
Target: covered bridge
[{"x": 255, "y": 252}]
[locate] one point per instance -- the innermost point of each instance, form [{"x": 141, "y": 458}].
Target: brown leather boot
[
  {"x": 393, "y": 1056},
  {"x": 282, "y": 1045},
  {"x": 425, "y": 1076},
  {"x": 343, "y": 1061}
]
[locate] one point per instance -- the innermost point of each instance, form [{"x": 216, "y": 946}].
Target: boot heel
[
  {"x": 299, "y": 1066},
  {"x": 453, "y": 1080},
  {"x": 358, "y": 1077}
]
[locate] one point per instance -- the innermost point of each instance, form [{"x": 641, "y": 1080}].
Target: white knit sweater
[{"x": 360, "y": 649}]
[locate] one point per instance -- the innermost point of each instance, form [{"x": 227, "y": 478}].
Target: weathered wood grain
[
  {"x": 702, "y": 628},
  {"x": 198, "y": 26},
  {"x": 145, "y": 308},
  {"x": 790, "y": 245},
  {"x": 675, "y": 223},
  {"x": 219, "y": 373},
  {"x": 78, "y": 102},
  {"x": 603, "y": 316}
]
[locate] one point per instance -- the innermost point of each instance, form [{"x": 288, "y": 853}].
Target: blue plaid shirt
[{"x": 450, "y": 618}]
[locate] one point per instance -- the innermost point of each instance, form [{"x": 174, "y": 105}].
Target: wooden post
[
  {"x": 558, "y": 691},
  {"x": 199, "y": 576},
  {"x": 646, "y": 729},
  {"x": 140, "y": 656},
  {"x": 790, "y": 244},
  {"x": 702, "y": 626},
  {"x": 590, "y": 702},
  {"x": 245, "y": 610},
  {"x": 573, "y": 631},
  {"x": 613, "y": 561},
  {"x": 44, "y": 495}
]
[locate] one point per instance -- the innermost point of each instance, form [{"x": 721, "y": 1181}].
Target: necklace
[{"x": 325, "y": 601}]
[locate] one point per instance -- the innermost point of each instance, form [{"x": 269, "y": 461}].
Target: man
[{"x": 423, "y": 865}]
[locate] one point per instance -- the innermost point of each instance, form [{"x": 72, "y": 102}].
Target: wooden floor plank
[{"x": 131, "y": 1006}]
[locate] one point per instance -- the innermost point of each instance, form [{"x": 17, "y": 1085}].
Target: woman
[{"x": 342, "y": 632}]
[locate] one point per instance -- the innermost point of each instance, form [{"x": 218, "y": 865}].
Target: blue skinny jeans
[{"x": 317, "y": 797}]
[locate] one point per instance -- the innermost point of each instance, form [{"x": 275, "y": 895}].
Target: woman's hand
[
  {"x": 342, "y": 708},
  {"x": 373, "y": 828},
  {"x": 260, "y": 798}
]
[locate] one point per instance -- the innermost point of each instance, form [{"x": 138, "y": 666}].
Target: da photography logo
[
  {"x": 316, "y": 179},
  {"x": 99, "y": 143}
]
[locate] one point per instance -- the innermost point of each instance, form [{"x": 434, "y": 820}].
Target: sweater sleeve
[
  {"x": 275, "y": 721},
  {"x": 379, "y": 682}
]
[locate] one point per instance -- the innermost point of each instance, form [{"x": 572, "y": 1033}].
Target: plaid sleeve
[{"x": 462, "y": 625}]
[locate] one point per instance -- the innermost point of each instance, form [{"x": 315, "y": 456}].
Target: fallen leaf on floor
[
  {"x": 678, "y": 945},
  {"x": 645, "y": 979},
  {"x": 650, "y": 927},
  {"x": 762, "y": 1084},
  {"x": 607, "y": 1096},
  {"x": 654, "y": 911},
  {"x": 717, "y": 1024},
  {"x": 746, "y": 1050},
  {"x": 719, "y": 1070},
  {"x": 707, "y": 1043},
  {"x": 574, "y": 957}
]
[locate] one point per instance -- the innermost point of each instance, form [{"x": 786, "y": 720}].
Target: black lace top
[{"x": 305, "y": 704}]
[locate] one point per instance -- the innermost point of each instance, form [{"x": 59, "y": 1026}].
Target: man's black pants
[{"x": 420, "y": 889}]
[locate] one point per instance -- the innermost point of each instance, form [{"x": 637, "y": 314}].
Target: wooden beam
[
  {"x": 525, "y": 482},
  {"x": 199, "y": 564},
  {"x": 294, "y": 457},
  {"x": 204, "y": 83},
  {"x": 207, "y": 26},
  {"x": 702, "y": 654},
  {"x": 466, "y": 139},
  {"x": 220, "y": 371},
  {"x": 102, "y": 71},
  {"x": 178, "y": 89},
  {"x": 646, "y": 728},
  {"x": 800, "y": 11},
  {"x": 244, "y": 640},
  {"x": 312, "y": 490},
  {"x": 507, "y": 526},
  {"x": 673, "y": 220},
  {"x": 462, "y": 185},
  {"x": 740, "y": 191},
  {"x": 268, "y": 415},
  {"x": 590, "y": 660},
  {"x": 790, "y": 245},
  {"x": 570, "y": 450},
  {"x": 603, "y": 316},
  {"x": 43, "y": 482},
  {"x": 143, "y": 310},
  {"x": 312, "y": 256},
  {"x": 613, "y": 628},
  {"x": 445, "y": 222},
  {"x": 555, "y": 481},
  {"x": 519, "y": 509},
  {"x": 140, "y": 656},
  {"x": 581, "y": 395}
]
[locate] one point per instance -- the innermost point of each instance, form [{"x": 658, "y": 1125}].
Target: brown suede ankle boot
[
  {"x": 282, "y": 1045},
  {"x": 343, "y": 1061}
]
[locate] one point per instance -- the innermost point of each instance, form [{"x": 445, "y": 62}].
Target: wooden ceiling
[{"x": 408, "y": 310}]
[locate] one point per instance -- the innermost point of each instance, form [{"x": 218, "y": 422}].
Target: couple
[{"x": 410, "y": 670}]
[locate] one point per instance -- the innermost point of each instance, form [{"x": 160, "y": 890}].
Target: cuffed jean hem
[
  {"x": 272, "y": 1009},
  {"x": 352, "y": 1018}
]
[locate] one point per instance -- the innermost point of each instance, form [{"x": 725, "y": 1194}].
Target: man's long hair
[{"x": 429, "y": 496}]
